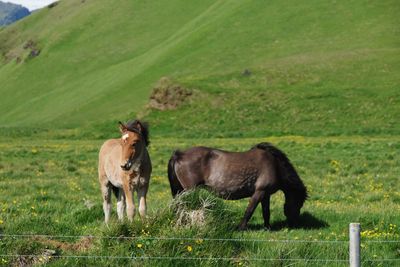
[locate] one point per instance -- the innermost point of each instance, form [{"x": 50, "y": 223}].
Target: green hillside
[{"x": 315, "y": 67}]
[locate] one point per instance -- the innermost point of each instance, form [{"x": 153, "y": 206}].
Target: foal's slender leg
[
  {"x": 106, "y": 192},
  {"x": 255, "y": 198},
  {"x": 265, "y": 209},
  {"x": 130, "y": 205},
  {"x": 142, "y": 201},
  {"x": 121, "y": 204}
]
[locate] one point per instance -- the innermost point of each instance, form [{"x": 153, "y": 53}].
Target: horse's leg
[
  {"x": 106, "y": 192},
  {"x": 265, "y": 209},
  {"x": 141, "y": 194},
  {"x": 121, "y": 204},
  {"x": 254, "y": 200},
  {"x": 130, "y": 205}
]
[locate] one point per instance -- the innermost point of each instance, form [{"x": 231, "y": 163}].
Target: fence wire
[
  {"x": 187, "y": 238},
  {"x": 109, "y": 257},
  {"x": 172, "y": 258}
]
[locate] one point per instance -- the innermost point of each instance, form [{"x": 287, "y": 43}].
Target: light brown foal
[{"x": 125, "y": 167}]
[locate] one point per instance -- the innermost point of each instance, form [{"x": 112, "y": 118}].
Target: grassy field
[
  {"x": 50, "y": 187},
  {"x": 318, "y": 79}
]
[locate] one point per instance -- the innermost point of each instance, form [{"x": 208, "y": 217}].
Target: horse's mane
[
  {"x": 289, "y": 173},
  {"x": 132, "y": 126}
]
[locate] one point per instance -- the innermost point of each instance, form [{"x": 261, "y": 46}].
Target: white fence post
[{"x": 354, "y": 236}]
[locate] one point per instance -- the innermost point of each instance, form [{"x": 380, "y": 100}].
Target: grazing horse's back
[{"x": 257, "y": 173}]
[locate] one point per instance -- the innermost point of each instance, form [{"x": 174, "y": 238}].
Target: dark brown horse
[{"x": 257, "y": 173}]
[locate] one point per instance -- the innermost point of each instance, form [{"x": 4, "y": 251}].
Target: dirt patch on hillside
[
  {"x": 52, "y": 5},
  {"x": 30, "y": 49},
  {"x": 32, "y": 46},
  {"x": 167, "y": 95}
]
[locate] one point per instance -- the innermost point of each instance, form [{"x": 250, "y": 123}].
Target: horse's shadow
[{"x": 306, "y": 221}]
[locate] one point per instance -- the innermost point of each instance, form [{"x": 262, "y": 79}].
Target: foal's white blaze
[{"x": 125, "y": 136}]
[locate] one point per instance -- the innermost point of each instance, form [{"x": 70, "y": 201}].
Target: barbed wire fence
[{"x": 353, "y": 260}]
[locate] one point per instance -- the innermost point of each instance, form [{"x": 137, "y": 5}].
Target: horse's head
[{"x": 134, "y": 139}]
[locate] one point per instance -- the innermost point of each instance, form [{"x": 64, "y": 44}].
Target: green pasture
[{"x": 50, "y": 187}]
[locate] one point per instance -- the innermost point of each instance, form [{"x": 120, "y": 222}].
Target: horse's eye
[{"x": 134, "y": 144}]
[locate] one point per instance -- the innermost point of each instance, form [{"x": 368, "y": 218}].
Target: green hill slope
[{"x": 316, "y": 67}]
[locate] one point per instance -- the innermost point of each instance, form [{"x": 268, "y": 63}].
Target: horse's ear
[
  {"x": 139, "y": 126},
  {"x": 122, "y": 127}
]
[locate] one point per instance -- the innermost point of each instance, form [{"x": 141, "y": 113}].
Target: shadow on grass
[{"x": 307, "y": 221}]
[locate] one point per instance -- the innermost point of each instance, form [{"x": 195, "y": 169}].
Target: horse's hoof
[{"x": 267, "y": 227}]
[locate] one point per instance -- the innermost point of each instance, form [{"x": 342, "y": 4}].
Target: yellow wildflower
[
  {"x": 139, "y": 245},
  {"x": 189, "y": 248}
]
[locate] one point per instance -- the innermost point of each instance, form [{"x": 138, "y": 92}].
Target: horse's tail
[
  {"x": 290, "y": 182},
  {"x": 174, "y": 183}
]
